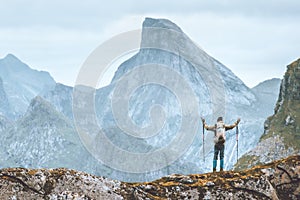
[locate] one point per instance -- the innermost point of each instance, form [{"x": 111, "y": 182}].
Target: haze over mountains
[{"x": 37, "y": 127}]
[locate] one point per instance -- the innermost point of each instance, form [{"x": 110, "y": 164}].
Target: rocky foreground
[{"x": 277, "y": 180}]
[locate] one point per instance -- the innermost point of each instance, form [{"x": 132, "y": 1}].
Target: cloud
[
  {"x": 250, "y": 37},
  {"x": 59, "y": 51},
  {"x": 91, "y": 13}
]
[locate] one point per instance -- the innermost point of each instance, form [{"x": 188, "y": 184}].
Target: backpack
[{"x": 220, "y": 136}]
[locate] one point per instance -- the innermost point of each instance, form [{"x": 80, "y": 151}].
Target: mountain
[
  {"x": 281, "y": 136},
  {"x": 277, "y": 180},
  {"x": 22, "y": 84},
  {"x": 208, "y": 79},
  {"x": 164, "y": 114}
]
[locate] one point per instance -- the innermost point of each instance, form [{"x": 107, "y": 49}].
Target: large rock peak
[
  {"x": 160, "y": 23},
  {"x": 163, "y": 34}
]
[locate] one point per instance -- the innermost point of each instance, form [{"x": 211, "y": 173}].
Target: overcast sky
[{"x": 255, "y": 39}]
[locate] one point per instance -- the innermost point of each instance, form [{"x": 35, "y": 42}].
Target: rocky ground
[{"x": 277, "y": 180}]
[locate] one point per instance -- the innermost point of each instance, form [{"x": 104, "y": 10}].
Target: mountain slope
[
  {"x": 281, "y": 136},
  {"x": 277, "y": 180},
  {"x": 21, "y": 83}
]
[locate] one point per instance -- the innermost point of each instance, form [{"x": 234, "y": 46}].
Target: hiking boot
[{"x": 214, "y": 170}]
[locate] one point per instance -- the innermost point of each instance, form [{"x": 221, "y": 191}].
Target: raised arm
[
  {"x": 229, "y": 127},
  {"x": 207, "y": 127}
]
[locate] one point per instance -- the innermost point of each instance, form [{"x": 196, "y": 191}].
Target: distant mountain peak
[
  {"x": 10, "y": 58},
  {"x": 267, "y": 86},
  {"x": 160, "y": 23},
  {"x": 18, "y": 78},
  {"x": 10, "y": 63},
  {"x": 269, "y": 81}
]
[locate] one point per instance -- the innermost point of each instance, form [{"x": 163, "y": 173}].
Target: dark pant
[{"x": 219, "y": 148}]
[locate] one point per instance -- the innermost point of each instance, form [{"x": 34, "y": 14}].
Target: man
[{"x": 220, "y": 137}]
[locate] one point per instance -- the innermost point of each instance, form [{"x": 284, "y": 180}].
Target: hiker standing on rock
[{"x": 220, "y": 137}]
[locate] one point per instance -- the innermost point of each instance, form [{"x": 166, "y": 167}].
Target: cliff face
[
  {"x": 281, "y": 136},
  {"x": 277, "y": 180}
]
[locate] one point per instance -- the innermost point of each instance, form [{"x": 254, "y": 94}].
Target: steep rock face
[
  {"x": 277, "y": 180},
  {"x": 22, "y": 84},
  {"x": 281, "y": 136}
]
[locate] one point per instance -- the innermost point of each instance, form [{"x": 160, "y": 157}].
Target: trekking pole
[
  {"x": 203, "y": 142},
  {"x": 237, "y": 143}
]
